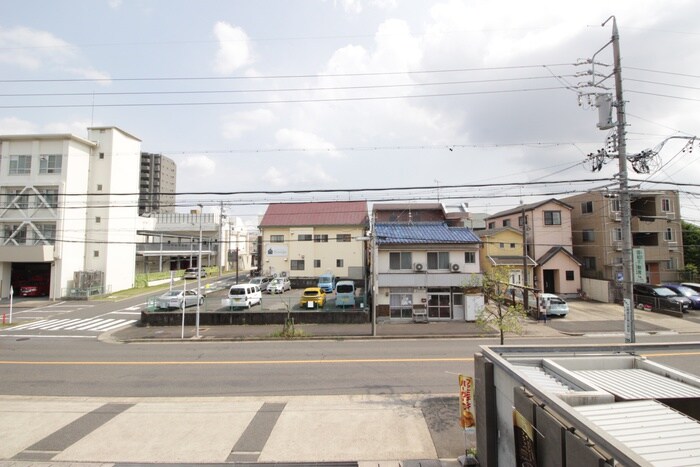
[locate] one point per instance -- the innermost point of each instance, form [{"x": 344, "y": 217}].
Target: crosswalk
[{"x": 83, "y": 324}]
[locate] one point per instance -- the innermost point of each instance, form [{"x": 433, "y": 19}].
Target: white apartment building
[{"x": 69, "y": 205}]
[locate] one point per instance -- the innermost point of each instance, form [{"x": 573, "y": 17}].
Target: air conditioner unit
[
  {"x": 617, "y": 246},
  {"x": 454, "y": 267},
  {"x": 418, "y": 266},
  {"x": 616, "y": 216},
  {"x": 670, "y": 215}
]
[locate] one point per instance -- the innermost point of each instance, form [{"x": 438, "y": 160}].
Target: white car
[
  {"x": 174, "y": 299},
  {"x": 279, "y": 285},
  {"x": 554, "y": 305},
  {"x": 193, "y": 273}
]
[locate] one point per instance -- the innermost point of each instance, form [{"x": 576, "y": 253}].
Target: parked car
[
  {"x": 692, "y": 285},
  {"x": 279, "y": 285},
  {"x": 36, "y": 289},
  {"x": 692, "y": 294},
  {"x": 193, "y": 273},
  {"x": 660, "y": 292},
  {"x": 314, "y": 296},
  {"x": 326, "y": 282},
  {"x": 261, "y": 282},
  {"x": 345, "y": 293},
  {"x": 174, "y": 299},
  {"x": 554, "y": 304},
  {"x": 244, "y": 295}
]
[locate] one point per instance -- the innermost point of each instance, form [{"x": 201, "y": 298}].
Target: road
[{"x": 82, "y": 399}]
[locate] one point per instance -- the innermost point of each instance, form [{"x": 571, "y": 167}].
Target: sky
[{"x": 482, "y": 102}]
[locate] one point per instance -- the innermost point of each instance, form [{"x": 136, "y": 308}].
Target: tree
[
  {"x": 691, "y": 245},
  {"x": 498, "y": 312}
]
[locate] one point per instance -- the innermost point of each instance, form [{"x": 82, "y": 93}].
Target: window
[
  {"x": 520, "y": 220},
  {"x": 15, "y": 198},
  {"x": 506, "y": 222},
  {"x": 18, "y": 234},
  {"x": 401, "y": 303},
  {"x": 305, "y": 237},
  {"x": 552, "y": 218},
  {"x": 589, "y": 262},
  {"x": 616, "y": 235},
  {"x": 439, "y": 260},
  {"x": 102, "y": 155},
  {"x": 96, "y": 253},
  {"x": 469, "y": 257},
  {"x": 297, "y": 265},
  {"x": 671, "y": 264},
  {"x": 20, "y": 165},
  {"x": 343, "y": 238},
  {"x": 98, "y": 219},
  {"x": 276, "y": 238},
  {"x": 321, "y": 238},
  {"x": 400, "y": 260},
  {"x": 99, "y": 187},
  {"x": 317, "y": 263},
  {"x": 50, "y": 198},
  {"x": 50, "y": 163},
  {"x": 588, "y": 235},
  {"x": 512, "y": 245},
  {"x": 666, "y": 205},
  {"x": 339, "y": 263},
  {"x": 501, "y": 245},
  {"x": 615, "y": 205},
  {"x": 668, "y": 235},
  {"x": 492, "y": 225},
  {"x": 587, "y": 207},
  {"x": 48, "y": 231},
  {"x": 569, "y": 275}
]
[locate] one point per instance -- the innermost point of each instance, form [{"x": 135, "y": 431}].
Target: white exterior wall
[
  {"x": 277, "y": 257},
  {"x": 67, "y": 253},
  {"x": 114, "y": 236}
]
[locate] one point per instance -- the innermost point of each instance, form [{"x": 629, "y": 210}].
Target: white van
[
  {"x": 244, "y": 295},
  {"x": 345, "y": 294}
]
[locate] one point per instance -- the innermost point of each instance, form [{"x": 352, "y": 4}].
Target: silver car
[
  {"x": 174, "y": 299},
  {"x": 279, "y": 285}
]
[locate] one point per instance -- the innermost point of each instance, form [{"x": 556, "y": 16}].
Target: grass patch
[{"x": 288, "y": 331}]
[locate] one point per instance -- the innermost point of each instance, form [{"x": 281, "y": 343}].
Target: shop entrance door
[{"x": 439, "y": 305}]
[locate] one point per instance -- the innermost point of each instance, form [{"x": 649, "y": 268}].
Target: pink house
[{"x": 549, "y": 241}]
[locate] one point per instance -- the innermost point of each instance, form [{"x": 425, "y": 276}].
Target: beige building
[
  {"x": 548, "y": 240},
  {"x": 656, "y": 229},
  {"x": 305, "y": 240},
  {"x": 504, "y": 247}
]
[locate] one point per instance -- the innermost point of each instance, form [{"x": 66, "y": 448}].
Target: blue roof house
[{"x": 422, "y": 269}]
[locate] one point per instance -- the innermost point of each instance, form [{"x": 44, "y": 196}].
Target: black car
[{"x": 647, "y": 294}]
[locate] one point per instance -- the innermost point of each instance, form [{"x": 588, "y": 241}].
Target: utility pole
[
  {"x": 219, "y": 256},
  {"x": 526, "y": 292},
  {"x": 625, "y": 206}
]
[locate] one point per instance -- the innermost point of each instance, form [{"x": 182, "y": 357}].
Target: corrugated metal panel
[
  {"x": 543, "y": 380},
  {"x": 637, "y": 384},
  {"x": 653, "y": 430}
]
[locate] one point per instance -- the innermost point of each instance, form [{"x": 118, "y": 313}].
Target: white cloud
[
  {"x": 114, "y": 4},
  {"x": 275, "y": 177},
  {"x": 78, "y": 127},
  {"x": 33, "y": 50},
  {"x": 234, "y": 48},
  {"x": 235, "y": 125},
  {"x": 305, "y": 141},
  {"x": 195, "y": 166},
  {"x": 15, "y": 126}
]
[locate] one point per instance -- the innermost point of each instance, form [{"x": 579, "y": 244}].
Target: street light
[{"x": 199, "y": 270}]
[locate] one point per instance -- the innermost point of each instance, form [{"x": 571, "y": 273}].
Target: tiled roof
[
  {"x": 313, "y": 214},
  {"x": 429, "y": 232}
]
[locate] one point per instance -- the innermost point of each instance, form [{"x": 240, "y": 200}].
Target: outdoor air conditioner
[
  {"x": 418, "y": 266},
  {"x": 617, "y": 246},
  {"x": 670, "y": 215},
  {"x": 454, "y": 267},
  {"x": 616, "y": 216}
]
